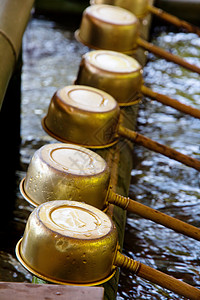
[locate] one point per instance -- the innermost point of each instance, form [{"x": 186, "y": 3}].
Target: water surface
[
  {"x": 163, "y": 183},
  {"x": 51, "y": 60}
]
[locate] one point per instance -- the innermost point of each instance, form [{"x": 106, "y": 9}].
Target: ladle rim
[
  {"x": 80, "y": 40},
  {"x": 43, "y": 277},
  {"x": 131, "y": 103},
  {"x": 35, "y": 204},
  {"x": 66, "y": 141},
  {"x": 24, "y": 194}
]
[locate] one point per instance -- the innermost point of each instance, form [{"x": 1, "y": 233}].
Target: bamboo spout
[
  {"x": 167, "y": 55},
  {"x": 157, "y": 277},
  {"x": 157, "y": 147}
]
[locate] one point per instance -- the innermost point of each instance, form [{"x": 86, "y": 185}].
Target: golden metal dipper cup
[
  {"x": 111, "y": 27},
  {"x": 108, "y": 27},
  {"x": 64, "y": 171},
  {"x": 90, "y": 117},
  {"x": 113, "y": 72},
  {"x": 78, "y": 113},
  {"x": 121, "y": 76},
  {"x": 67, "y": 242},
  {"x": 140, "y": 8}
]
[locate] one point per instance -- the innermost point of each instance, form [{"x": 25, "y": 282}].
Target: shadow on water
[{"x": 51, "y": 59}]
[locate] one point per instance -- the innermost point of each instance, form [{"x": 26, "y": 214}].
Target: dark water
[{"x": 51, "y": 60}]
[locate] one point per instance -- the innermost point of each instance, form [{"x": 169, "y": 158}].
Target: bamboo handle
[
  {"x": 160, "y": 148},
  {"x": 166, "y": 281},
  {"x": 187, "y": 109},
  {"x": 174, "y": 20},
  {"x": 154, "y": 215},
  {"x": 163, "y": 219},
  {"x": 167, "y": 55}
]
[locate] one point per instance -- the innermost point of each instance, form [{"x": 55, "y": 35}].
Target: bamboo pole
[
  {"x": 173, "y": 20},
  {"x": 167, "y": 55},
  {"x": 157, "y": 147},
  {"x": 153, "y": 215},
  {"x": 166, "y": 281},
  {"x": 14, "y": 15},
  {"x": 187, "y": 109}
]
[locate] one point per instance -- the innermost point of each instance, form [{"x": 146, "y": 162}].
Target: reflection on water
[{"x": 51, "y": 60}]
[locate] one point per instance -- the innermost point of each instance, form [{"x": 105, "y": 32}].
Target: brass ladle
[
  {"x": 140, "y": 8},
  {"x": 66, "y": 171},
  {"x": 121, "y": 76},
  {"x": 114, "y": 28},
  {"x": 68, "y": 242},
  {"x": 90, "y": 117}
]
